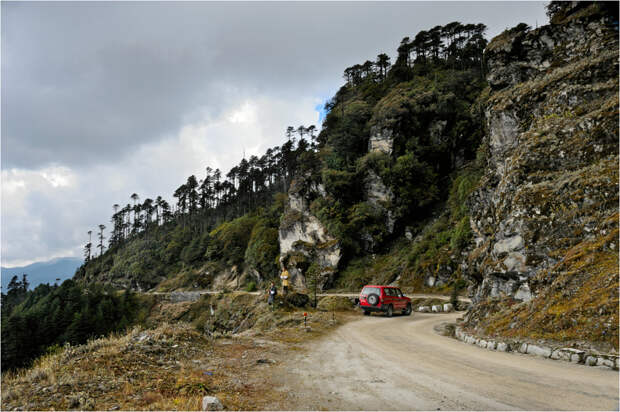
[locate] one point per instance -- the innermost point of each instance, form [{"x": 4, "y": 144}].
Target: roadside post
[{"x": 305, "y": 319}]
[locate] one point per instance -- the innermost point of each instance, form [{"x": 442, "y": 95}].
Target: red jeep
[{"x": 385, "y": 299}]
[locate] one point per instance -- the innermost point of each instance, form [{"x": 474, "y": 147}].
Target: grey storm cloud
[
  {"x": 103, "y": 99},
  {"x": 86, "y": 81}
]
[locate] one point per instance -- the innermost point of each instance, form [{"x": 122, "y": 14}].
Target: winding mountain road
[
  {"x": 195, "y": 295},
  {"x": 401, "y": 363}
]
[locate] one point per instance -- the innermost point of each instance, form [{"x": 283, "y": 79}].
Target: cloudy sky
[{"x": 100, "y": 100}]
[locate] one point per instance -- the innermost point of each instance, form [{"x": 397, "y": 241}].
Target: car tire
[
  {"x": 373, "y": 299},
  {"x": 407, "y": 310},
  {"x": 366, "y": 313},
  {"x": 390, "y": 311}
]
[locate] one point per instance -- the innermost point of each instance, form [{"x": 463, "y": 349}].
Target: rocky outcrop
[
  {"x": 306, "y": 247},
  {"x": 381, "y": 140},
  {"x": 552, "y": 177},
  {"x": 378, "y": 194}
]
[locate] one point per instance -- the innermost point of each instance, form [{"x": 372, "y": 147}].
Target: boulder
[
  {"x": 539, "y": 350},
  {"x": 436, "y": 308},
  {"x": 605, "y": 361},
  {"x": 211, "y": 403},
  {"x": 568, "y": 354},
  {"x": 590, "y": 361},
  {"x": 424, "y": 309},
  {"x": 447, "y": 307}
]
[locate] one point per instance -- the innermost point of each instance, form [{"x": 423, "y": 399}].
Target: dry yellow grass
[
  {"x": 170, "y": 367},
  {"x": 578, "y": 299}
]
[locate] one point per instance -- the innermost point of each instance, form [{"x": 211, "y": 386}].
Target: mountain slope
[{"x": 495, "y": 167}]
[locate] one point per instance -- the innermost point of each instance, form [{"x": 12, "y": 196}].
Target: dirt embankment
[{"x": 222, "y": 345}]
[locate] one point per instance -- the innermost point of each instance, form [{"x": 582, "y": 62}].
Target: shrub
[
  {"x": 461, "y": 234},
  {"x": 414, "y": 183},
  {"x": 231, "y": 239},
  {"x": 263, "y": 249},
  {"x": 250, "y": 287}
]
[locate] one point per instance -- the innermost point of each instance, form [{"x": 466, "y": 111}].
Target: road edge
[{"x": 588, "y": 358}]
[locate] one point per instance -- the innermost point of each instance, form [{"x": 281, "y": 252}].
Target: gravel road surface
[{"x": 401, "y": 363}]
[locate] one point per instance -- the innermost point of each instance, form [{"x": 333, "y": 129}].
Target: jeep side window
[{"x": 399, "y": 293}]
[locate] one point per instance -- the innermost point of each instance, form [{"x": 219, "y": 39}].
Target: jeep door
[
  {"x": 392, "y": 298},
  {"x": 402, "y": 301}
]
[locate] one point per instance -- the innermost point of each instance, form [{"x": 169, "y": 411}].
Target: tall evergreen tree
[{"x": 101, "y": 237}]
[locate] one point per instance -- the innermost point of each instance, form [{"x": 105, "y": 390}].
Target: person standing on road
[
  {"x": 284, "y": 277},
  {"x": 273, "y": 291}
]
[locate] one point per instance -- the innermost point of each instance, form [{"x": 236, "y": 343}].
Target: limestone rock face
[
  {"x": 304, "y": 241},
  {"x": 378, "y": 195},
  {"x": 381, "y": 140},
  {"x": 551, "y": 180}
]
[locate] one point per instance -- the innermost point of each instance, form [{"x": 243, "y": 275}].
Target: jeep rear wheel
[
  {"x": 373, "y": 299},
  {"x": 389, "y": 312},
  {"x": 366, "y": 313},
  {"x": 407, "y": 310}
]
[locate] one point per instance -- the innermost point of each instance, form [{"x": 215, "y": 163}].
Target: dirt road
[
  {"x": 401, "y": 363},
  {"x": 180, "y": 296}
]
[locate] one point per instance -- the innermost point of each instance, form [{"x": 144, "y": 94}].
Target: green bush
[
  {"x": 462, "y": 186},
  {"x": 414, "y": 183},
  {"x": 251, "y": 286},
  {"x": 230, "y": 240},
  {"x": 263, "y": 249},
  {"x": 461, "y": 235}
]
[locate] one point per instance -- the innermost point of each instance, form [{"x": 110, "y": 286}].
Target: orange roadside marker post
[{"x": 305, "y": 318}]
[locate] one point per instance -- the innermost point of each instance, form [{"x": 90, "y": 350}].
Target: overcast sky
[{"x": 101, "y": 100}]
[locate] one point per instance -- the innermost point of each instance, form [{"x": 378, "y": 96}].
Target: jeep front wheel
[{"x": 389, "y": 312}]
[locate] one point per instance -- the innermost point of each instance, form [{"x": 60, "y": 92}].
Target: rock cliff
[
  {"x": 550, "y": 189},
  {"x": 305, "y": 244},
  {"x": 377, "y": 193}
]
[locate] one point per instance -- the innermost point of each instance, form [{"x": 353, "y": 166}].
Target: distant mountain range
[{"x": 43, "y": 272}]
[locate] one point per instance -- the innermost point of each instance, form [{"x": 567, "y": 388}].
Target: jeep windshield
[{"x": 368, "y": 291}]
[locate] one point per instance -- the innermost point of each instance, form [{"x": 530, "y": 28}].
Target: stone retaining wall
[
  {"x": 446, "y": 307},
  {"x": 566, "y": 354}
]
